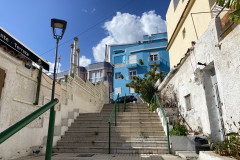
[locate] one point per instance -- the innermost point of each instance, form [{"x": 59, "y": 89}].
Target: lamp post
[{"x": 58, "y": 29}]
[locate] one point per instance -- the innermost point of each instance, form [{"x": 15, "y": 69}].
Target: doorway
[
  {"x": 2, "y": 78},
  {"x": 214, "y": 104}
]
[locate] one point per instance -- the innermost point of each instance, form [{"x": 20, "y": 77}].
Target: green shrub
[
  {"x": 229, "y": 147},
  {"x": 179, "y": 130}
]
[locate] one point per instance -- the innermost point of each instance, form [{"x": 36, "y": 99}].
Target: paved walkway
[{"x": 74, "y": 156}]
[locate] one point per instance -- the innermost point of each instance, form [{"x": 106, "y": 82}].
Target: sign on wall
[{"x": 11, "y": 42}]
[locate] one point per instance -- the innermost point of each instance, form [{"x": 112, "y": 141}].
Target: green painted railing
[
  {"x": 109, "y": 123},
  {"x": 25, "y": 121},
  {"x": 124, "y": 103},
  {"x": 165, "y": 118}
]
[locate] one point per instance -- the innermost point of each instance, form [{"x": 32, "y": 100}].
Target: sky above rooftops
[{"x": 94, "y": 22}]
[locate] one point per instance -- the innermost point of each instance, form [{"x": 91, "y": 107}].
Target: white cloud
[
  {"x": 84, "y": 10},
  {"x": 51, "y": 68},
  {"x": 88, "y": 10},
  {"x": 127, "y": 28},
  {"x": 93, "y": 10},
  {"x": 84, "y": 61}
]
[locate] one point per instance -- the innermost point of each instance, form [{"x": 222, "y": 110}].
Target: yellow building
[{"x": 186, "y": 20}]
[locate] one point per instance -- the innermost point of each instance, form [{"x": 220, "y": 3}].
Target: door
[
  {"x": 2, "y": 78},
  {"x": 218, "y": 105},
  {"x": 214, "y": 104}
]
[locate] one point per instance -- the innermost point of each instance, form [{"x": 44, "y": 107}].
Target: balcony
[
  {"x": 152, "y": 62},
  {"x": 132, "y": 64}
]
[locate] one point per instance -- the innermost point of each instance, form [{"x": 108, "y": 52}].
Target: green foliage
[
  {"x": 121, "y": 76},
  {"x": 229, "y": 147},
  {"x": 232, "y": 4},
  {"x": 151, "y": 107},
  {"x": 141, "y": 62},
  {"x": 146, "y": 86},
  {"x": 178, "y": 130},
  {"x": 144, "y": 135}
]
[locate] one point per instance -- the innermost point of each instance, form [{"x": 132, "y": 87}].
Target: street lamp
[{"x": 58, "y": 29}]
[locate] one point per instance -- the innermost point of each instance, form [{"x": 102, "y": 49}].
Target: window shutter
[{"x": 2, "y": 78}]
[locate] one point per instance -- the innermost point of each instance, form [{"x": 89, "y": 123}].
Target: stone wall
[
  {"x": 19, "y": 93},
  {"x": 213, "y": 87}
]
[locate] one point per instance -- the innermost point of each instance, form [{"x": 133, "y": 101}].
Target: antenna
[{"x": 59, "y": 60}]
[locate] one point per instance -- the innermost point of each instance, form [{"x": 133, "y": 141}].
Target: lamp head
[{"x": 60, "y": 25}]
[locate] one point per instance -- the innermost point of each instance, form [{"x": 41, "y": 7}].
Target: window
[
  {"x": 131, "y": 74},
  {"x": 117, "y": 75},
  {"x": 119, "y": 59},
  {"x": 188, "y": 102},
  {"x": 132, "y": 59},
  {"x": 153, "y": 56},
  {"x": 131, "y": 90},
  {"x": 184, "y": 33},
  {"x": 95, "y": 76},
  {"x": 117, "y": 91},
  {"x": 2, "y": 78}
]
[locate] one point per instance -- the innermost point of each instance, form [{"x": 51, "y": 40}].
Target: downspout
[{"x": 38, "y": 86}]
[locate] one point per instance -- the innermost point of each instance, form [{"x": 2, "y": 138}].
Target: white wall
[
  {"x": 19, "y": 94},
  {"x": 188, "y": 78}
]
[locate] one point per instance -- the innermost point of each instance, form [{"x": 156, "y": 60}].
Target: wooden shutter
[{"x": 2, "y": 78}]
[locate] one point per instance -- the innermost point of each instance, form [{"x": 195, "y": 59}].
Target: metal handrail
[
  {"x": 25, "y": 121},
  {"x": 109, "y": 122},
  {"x": 164, "y": 115},
  {"x": 124, "y": 103}
]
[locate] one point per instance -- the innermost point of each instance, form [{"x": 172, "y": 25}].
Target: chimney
[
  {"x": 71, "y": 62},
  {"x": 75, "y": 55},
  {"x": 78, "y": 62}
]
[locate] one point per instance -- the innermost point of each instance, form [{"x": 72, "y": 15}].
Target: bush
[
  {"x": 229, "y": 147},
  {"x": 178, "y": 130}
]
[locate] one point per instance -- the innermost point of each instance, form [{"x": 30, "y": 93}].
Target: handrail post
[
  {"x": 115, "y": 114},
  {"x": 125, "y": 103},
  {"x": 118, "y": 101},
  {"x": 164, "y": 115},
  {"x": 155, "y": 102},
  {"x": 109, "y": 138},
  {"x": 168, "y": 138}
]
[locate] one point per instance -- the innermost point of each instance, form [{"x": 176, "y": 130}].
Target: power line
[{"x": 91, "y": 27}]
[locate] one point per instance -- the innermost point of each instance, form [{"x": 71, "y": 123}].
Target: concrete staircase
[{"x": 137, "y": 131}]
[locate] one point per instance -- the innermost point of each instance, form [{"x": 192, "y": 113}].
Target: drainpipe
[
  {"x": 71, "y": 62},
  {"x": 39, "y": 78}
]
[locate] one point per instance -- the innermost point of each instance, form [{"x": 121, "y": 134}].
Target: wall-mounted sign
[{"x": 7, "y": 39}]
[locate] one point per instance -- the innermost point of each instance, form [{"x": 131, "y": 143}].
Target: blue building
[{"x": 125, "y": 60}]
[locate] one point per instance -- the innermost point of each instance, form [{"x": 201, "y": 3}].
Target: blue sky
[{"x": 95, "y": 22}]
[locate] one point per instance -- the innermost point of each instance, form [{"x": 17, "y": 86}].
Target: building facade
[
  {"x": 125, "y": 60},
  {"x": 95, "y": 73},
  {"x": 187, "y": 20}
]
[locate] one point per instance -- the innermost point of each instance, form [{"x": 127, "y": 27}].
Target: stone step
[
  {"x": 118, "y": 115},
  {"x": 116, "y": 129},
  {"x": 127, "y": 107},
  {"x": 114, "y": 143},
  {"x": 126, "y": 124},
  {"x": 145, "y": 118},
  {"x": 115, "y": 138},
  {"x": 134, "y": 150},
  {"x": 116, "y": 133},
  {"x": 118, "y": 120}
]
